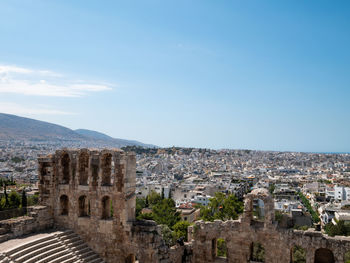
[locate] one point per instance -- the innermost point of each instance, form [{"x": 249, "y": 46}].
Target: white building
[
  {"x": 339, "y": 193},
  {"x": 201, "y": 199}
]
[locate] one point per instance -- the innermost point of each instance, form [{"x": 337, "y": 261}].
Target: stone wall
[
  {"x": 37, "y": 219},
  {"x": 278, "y": 243},
  {"x": 16, "y": 212},
  {"x": 93, "y": 193}
]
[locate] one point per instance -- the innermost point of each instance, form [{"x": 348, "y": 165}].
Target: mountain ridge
[
  {"x": 13, "y": 127},
  {"x": 102, "y": 136}
]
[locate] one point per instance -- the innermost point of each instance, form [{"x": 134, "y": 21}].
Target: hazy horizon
[{"x": 218, "y": 149}]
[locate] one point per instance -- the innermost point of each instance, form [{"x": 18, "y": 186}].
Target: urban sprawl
[{"x": 309, "y": 188}]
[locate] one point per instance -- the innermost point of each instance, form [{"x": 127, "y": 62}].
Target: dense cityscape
[{"x": 303, "y": 184}]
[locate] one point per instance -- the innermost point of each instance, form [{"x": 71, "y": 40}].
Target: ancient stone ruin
[
  {"x": 92, "y": 192},
  {"x": 241, "y": 237}
]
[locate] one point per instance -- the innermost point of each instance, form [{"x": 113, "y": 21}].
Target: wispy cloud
[
  {"x": 18, "y": 109},
  {"x": 28, "y": 81}
]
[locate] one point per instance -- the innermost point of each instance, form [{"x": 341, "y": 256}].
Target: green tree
[
  {"x": 170, "y": 197},
  {"x": 162, "y": 196},
  {"x": 278, "y": 216},
  {"x": 163, "y": 210},
  {"x": 306, "y": 202},
  {"x": 146, "y": 216},
  {"x": 222, "y": 207},
  {"x": 258, "y": 252},
  {"x": 167, "y": 235},
  {"x": 7, "y": 203},
  {"x": 14, "y": 199},
  {"x": 154, "y": 198},
  {"x": 180, "y": 229},
  {"x": 165, "y": 213},
  {"x": 33, "y": 200},
  {"x": 24, "y": 199},
  {"x": 140, "y": 204},
  {"x": 340, "y": 229},
  {"x": 299, "y": 255},
  {"x": 2, "y": 204}
]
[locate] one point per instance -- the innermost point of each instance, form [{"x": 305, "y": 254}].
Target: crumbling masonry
[{"x": 93, "y": 193}]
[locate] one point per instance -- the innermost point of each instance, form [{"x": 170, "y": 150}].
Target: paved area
[{"x": 12, "y": 243}]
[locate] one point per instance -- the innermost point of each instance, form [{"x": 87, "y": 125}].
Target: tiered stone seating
[{"x": 62, "y": 247}]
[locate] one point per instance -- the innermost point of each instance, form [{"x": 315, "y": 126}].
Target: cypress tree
[
  {"x": 24, "y": 199},
  {"x": 147, "y": 204},
  {"x": 170, "y": 193},
  {"x": 7, "y": 203},
  {"x": 162, "y": 196}
]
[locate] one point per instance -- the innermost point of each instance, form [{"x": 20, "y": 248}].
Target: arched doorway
[
  {"x": 64, "y": 205},
  {"x": 83, "y": 206},
  {"x": 130, "y": 259},
  {"x": 107, "y": 208},
  {"x": 324, "y": 255}
]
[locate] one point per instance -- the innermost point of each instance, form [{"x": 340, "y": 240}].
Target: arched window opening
[
  {"x": 130, "y": 259},
  {"x": 83, "y": 168},
  {"x": 257, "y": 252},
  {"x": 106, "y": 208},
  {"x": 324, "y": 255},
  {"x": 213, "y": 248},
  {"x": 298, "y": 255},
  {"x": 44, "y": 169},
  {"x": 106, "y": 169},
  {"x": 64, "y": 205},
  {"x": 83, "y": 206},
  {"x": 94, "y": 175},
  {"x": 65, "y": 162},
  {"x": 258, "y": 210}
]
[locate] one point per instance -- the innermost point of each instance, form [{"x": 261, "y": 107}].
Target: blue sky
[{"x": 268, "y": 75}]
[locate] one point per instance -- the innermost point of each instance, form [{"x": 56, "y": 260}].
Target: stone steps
[
  {"x": 71, "y": 260},
  {"x": 2, "y": 257},
  {"x": 64, "y": 247},
  {"x": 29, "y": 244},
  {"x": 27, "y": 251},
  {"x": 43, "y": 254},
  {"x": 58, "y": 257}
]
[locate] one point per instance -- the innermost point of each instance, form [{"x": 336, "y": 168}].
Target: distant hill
[
  {"x": 17, "y": 128},
  {"x": 14, "y": 127},
  {"x": 94, "y": 134},
  {"x": 108, "y": 139}
]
